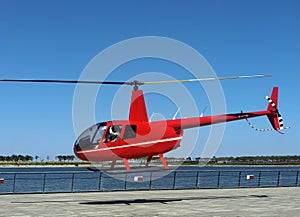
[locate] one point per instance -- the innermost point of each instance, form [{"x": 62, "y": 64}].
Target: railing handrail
[
  {"x": 121, "y": 173},
  {"x": 196, "y": 176}
]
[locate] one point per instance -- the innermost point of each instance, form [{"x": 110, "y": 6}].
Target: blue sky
[{"x": 57, "y": 39}]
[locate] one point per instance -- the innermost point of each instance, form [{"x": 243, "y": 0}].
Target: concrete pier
[{"x": 200, "y": 202}]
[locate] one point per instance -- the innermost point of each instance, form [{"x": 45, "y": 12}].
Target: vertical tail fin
[
  {"x": 138, "y": 110},
  {"x": 274, "y": 116},
  {"x": 272, "y": 113},
  {"x": 273, "y": 100}
]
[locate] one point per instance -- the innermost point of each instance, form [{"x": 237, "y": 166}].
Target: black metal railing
[{"x": 47, "y": 182}]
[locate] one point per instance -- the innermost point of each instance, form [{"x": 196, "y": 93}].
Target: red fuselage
[
  {"x": 147, "y": 138},
  {"x": 137, "y": 137}
]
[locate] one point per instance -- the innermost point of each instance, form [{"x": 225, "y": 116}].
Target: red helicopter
[{"x": 137, "y": 137}]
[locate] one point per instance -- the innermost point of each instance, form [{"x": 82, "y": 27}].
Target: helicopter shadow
[
  {"x": 166, "y": 200},
  {"x": 129, "y": 202}
]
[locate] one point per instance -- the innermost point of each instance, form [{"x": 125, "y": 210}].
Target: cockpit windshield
[{"x": 91, "y": 137}]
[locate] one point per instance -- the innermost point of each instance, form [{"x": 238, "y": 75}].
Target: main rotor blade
[
  {"x": 63, "y": 81},
  {"x": 207, "y": 79},
  {"x": 134, "y": 83}
]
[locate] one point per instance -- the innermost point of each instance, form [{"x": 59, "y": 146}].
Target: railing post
[
  {"x": 73, "y": 176},
  {"x": 259, "y": 178},
  {"x": 44, "y": 183},
  {"x": 174, "y": 180},
  {"x": 239, "y": 182},
  {"x": 219, "y": 176},
  {"x": 197, "y": 178},
  {"x": 297, "y": 178},
  {"x": 100, "y": 181},
  {"x": 150, "y": 181},
  {"x": 125, "y": 187},
  {"x": 14, "y": 185},
  {"x": 278, "y": 178}
]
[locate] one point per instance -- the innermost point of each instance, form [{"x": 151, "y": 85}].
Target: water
[{"x": 75, "y": 179}]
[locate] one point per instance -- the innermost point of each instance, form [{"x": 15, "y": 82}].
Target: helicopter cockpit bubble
[{"x": 91, "y": 137}]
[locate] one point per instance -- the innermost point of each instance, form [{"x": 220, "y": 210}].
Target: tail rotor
[{"x": 273, "y": 114}]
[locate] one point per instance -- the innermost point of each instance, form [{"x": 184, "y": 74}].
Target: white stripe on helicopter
[{"x": 136, "y": 144}]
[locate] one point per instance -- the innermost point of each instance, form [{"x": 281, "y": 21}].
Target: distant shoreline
[
  {"x": 42, "y": 164},
  {"x": 80, "y": 165},
  {"x": 18, "y": 161}
]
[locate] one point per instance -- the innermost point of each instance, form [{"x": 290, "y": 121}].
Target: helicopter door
[{"x": 113, "y": 133}]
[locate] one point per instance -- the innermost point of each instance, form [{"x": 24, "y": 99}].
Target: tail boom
[
  {"x": 186, "y": 123},
  {"x": 272, "y": 113}
]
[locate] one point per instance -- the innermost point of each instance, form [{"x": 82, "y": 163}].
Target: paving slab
[{"x": 200, "y": 202}]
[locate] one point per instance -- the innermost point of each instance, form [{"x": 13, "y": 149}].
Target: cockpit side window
[
  {"x": 98, "y": 135},
  {"x": 113, "y": 133},
  {"x": 130, "y": 132},
  {"x": 91, "y": 137}
]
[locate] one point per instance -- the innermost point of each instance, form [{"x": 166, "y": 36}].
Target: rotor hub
[{"x": 136, "y": 84}]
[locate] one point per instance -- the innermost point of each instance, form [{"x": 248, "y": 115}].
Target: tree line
[
  {"x": 65, "y": 157},
  {"x": 248, "y": 160},
  {"x": 16, "y": 158},
  {"x": 242, "y": 160},
  {"x": 28, "y": 158}
]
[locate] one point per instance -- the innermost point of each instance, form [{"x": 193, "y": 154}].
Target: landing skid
[{"x": 133, "y": 170}]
